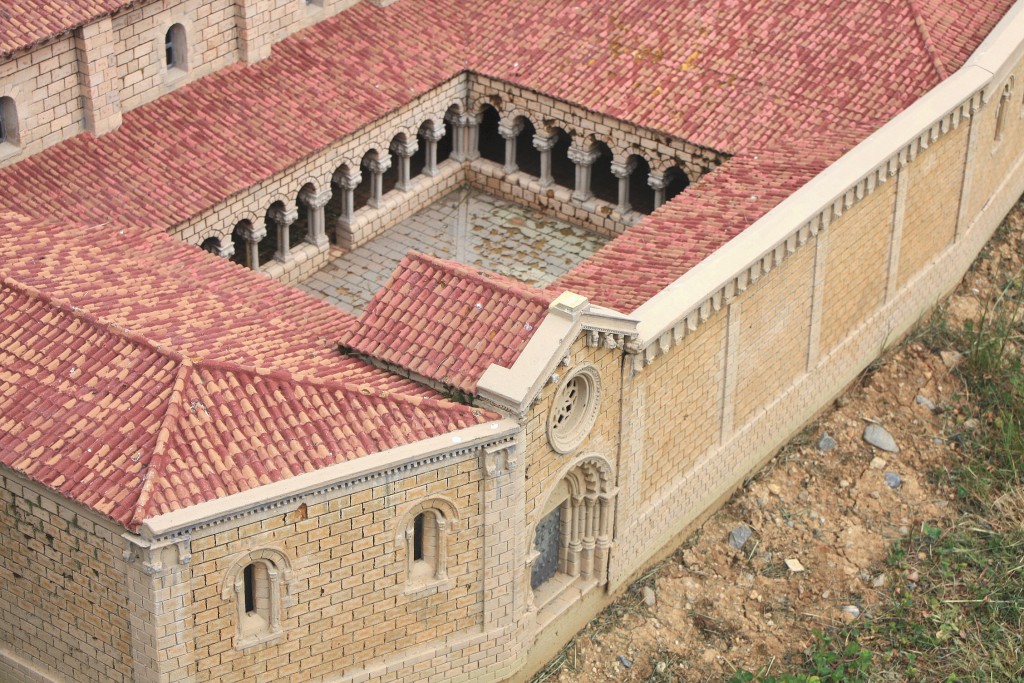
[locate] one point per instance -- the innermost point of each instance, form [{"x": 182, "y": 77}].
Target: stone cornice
[
  {"x": 340, "y": 478},
  {"x": 680, "y": 308}
]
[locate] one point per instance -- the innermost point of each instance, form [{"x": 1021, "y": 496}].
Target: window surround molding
[
  {"x": 1002, "y": 104},
  {"x": 447, "y": 526},
  {"x": 248, "y": 631},
  {"x": 574, "y": 408}
]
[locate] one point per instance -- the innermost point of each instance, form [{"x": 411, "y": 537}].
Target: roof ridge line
[
  {"x": 475, "y": 273},
  {"x": 926, "y": 38},
  {"x": 338, "y": 385},
  {"x": 168, "y": 425},
  {"x": 91, "y": 319}
]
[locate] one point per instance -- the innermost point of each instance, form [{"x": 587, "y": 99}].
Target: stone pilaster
[
  {"x": 510, "y": 134},
  {"x": 503, "y": 498},
  {"x": 101, "y": 95},
  {"x": 348, "y": 183},
  {"x": 471, "y": 124}
]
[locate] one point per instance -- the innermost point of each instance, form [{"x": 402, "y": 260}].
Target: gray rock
[
  {"x": 892, "y": 480},
  {"x": 852, "y": 610},
  {"x": 826, "y": 443},
  {"x": 626, "y": 662},
  {"x": 923, "y": 401},
  {"x": 879, "y": 438},
  {"x": 650, "y": 599},
  {"x": 740, "y": 535}
]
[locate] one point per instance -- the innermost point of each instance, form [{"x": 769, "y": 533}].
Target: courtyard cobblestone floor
[{"x": 467, "y": 226}]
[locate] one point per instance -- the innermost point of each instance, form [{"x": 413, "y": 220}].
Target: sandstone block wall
[
  {"x": 44, "y": 84},
  {"x": 63, "y": 598}
]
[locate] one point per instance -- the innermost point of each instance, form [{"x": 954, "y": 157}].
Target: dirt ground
[{"x": 833, "y": 508}]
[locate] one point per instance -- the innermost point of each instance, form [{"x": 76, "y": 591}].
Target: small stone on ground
[{"x": 877, "y": 436}]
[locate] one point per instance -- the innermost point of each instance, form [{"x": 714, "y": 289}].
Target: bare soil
[{"x": 718, "y": 609}]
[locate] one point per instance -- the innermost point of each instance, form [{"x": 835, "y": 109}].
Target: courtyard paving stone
[{"x": 468, "y": 226}]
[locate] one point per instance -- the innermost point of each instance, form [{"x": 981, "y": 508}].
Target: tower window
[
  {"x": 249, "y": 577},
  {"x": 424, "y": 535},
  {"x": 8, "y": 121},
  {"x": 175, "y": 48}
]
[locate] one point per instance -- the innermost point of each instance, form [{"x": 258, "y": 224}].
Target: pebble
[
  {"x": 626, "y": 662},
  {"x": 740, "y": 535},
  {"x": 826, "y": 443},
  {"x": 879, "y": 581},
  {"x": 923, "y": 401},
  {"x": 951, "y": 358},
  {"x": 877, "y": 463},
  {"x": 878, "y": 437},
  {"x": 892, "y": 480},
  {"x": 844, "y": 483},
  {"x": 650, "y": 599},
  {"x": 971, "y": 424},
  {"x": 794, "y": 565},
  {"x": 662, "y": 666},
  {"x": 850, "y": 612}
]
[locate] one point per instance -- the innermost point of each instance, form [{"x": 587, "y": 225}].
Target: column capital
[
  {"x": 316, "y": 200},
  {"x": 350, "y": 180},
  {"x": 432, "y": 133},
  {"x": 379, "y": 165},
  {"x": 510, "y": 131},
  {"x": 623, "y": 169},
  {"x": 472, "y": 119},
  {"x": 285, "y": 217},
  {"x": 405, "y": 148},
  {"x": 226, "y": 249},
  {"x": 253, "y": 233},
  {"x": 656, "y": 182},
  {"x": 583, "y": 156},
  {"x": 544, "y": 143}
]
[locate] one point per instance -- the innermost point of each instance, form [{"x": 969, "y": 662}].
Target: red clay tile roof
[
  {"x": 697, "y": 222},
  {"x": 447, "y": 321},
  {"x": 131, "y": 430},
  {"x": 26, "y": 22}
]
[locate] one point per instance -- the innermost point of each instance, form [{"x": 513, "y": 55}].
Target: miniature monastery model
[{"x": 209, "y": 474}]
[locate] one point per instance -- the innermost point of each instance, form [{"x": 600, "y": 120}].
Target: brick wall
[
  {"x": 45, "y": 88},
  {"x": 63, "y": 595}
]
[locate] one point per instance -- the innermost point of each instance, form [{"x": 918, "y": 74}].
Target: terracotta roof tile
[
  {"x": 131, "y": 430},
  {"x": 447, "y": 321},
  {"x": 26, "y": 22}
]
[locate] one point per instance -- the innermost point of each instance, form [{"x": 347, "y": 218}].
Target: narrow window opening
[
  {"x": 417, "y": 538},
  {"x": 8, "y": 121},
  {"x": 249, "y": 578},
  {"x": 1004, "y": 104},
  {"x": 175, "y": 54}
]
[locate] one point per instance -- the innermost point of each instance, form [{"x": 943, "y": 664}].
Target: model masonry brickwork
[
  {"x": 679, "y": 423},
  {"x": 86, "y": 78}
]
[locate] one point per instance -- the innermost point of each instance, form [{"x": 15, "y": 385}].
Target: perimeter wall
[{"x": 750, "y": 344}]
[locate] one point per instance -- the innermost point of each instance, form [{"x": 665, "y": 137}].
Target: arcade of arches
[{"x": 551, "y": 157}]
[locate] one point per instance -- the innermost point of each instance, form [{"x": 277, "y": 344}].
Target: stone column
[
  {"x": 471, "y": 122},
  {"x": 544, "y": 145},
  {"x": 317, "y": 233},
  {"x": 377, "y": 167},
  {"x": 622, "y": 170},
  {"x": 510, "y": 133},
  {"x": 348, "y": 183},
  {"x": 584, "y": 160},
  {"x": 404, "y": 149},
  {"x": 284, "y": 220},
  {"x": 253, "y": 236},
  {"x": 432, "y": 135},
  {"x": 458, "y": 136},
  {"x": 657, "y": 183}
]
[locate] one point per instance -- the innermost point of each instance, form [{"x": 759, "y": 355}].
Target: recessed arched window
[
  {"x": 257, "y": 584},
  {"x": 175, "y": 48},
  {"x": 424, "y": 533},
  {"x": 8, "y": 121}
]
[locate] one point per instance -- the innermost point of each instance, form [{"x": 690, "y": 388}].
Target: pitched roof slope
[
  {"x": 177, "y": 296},
  {"x": 26, "y": 22},
  {"x": 448, "y": 322},
  {"x": 683, "y": 232},
  {"x": 132, "y": 431}
]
